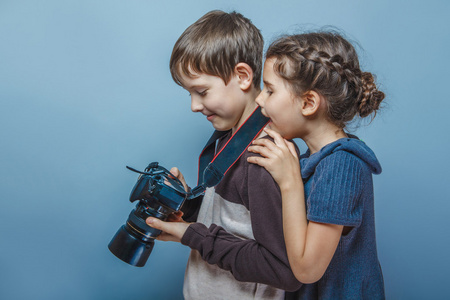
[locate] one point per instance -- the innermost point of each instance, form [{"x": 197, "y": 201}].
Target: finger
[
  {"x": 292, "y": 149},
  {"x": 175, "y": 216},
  {"x": 176, "y": 172},
  {"x": 157, "y": 224},
  {"x": 262, "y": 150},
  {"x": 257, "y": 160},
  {"x": 178, "y": 213},
  {"x": 278, "y": 139},
  {"x": 265, "y": 142}
]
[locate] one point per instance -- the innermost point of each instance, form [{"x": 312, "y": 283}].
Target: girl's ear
[
  {"x": 311, "y": 101},
  {"x": 245, "y": 75}
]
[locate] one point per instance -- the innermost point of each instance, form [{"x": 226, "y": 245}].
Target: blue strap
[{"x": 212, "y": 167}]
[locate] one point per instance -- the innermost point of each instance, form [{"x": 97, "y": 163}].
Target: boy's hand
[
  {"x": 171, "y": 231},
  {"x": 174, "y": 228},
  {"x": 175, "y": 172},
  {"x": 279, "y": 158},
  {"x": 175, "y": 217}
]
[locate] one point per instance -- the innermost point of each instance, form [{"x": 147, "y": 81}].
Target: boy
[{"x": 238, "y": 250}]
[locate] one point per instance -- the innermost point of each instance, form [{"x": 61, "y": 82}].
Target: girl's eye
[{"x": 269, "y": 92}]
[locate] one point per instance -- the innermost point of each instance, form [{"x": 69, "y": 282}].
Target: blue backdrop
[{"x": 85, "y": 89}]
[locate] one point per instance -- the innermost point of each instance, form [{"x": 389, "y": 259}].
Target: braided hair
[{"x": 328, "y": 64}]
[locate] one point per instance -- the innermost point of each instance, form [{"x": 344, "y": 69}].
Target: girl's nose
[{"x": 259, "y": 100}]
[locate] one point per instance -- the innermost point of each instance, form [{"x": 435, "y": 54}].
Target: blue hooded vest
[{"x": 339, "y": 190}]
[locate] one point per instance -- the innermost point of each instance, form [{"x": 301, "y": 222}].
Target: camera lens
[
  {"x": 134, "y": 241},
  {"x": 129, "y": 248}
]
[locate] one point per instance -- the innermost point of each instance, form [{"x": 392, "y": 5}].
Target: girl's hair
[{"x": 328, "y": 64}]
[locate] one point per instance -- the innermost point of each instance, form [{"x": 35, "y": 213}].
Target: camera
[{"x": 159, "y": 194}]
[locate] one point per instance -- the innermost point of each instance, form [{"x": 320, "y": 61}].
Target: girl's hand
[
  {"x": 171, "y": 231},
  {"x": 279, "y": 158}
]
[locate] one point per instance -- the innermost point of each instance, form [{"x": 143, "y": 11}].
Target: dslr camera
[{"x": 159, "y": 194}]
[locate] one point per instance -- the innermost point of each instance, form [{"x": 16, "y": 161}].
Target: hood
[{"x": 354, "y": 146}]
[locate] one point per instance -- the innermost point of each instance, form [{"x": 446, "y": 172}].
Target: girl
[{"x": 313, "y": 87}]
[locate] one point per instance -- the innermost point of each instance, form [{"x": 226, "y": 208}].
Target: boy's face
[
  {"x": 223, "y": 105},
  {"x": 279, "y": 103}
]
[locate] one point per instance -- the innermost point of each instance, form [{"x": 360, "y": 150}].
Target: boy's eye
[
  {"x": 200, "y": 93},
  {"x": 269, "y": 92}
]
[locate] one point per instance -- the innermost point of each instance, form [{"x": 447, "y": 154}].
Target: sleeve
[
  {"x": 191, "y": 208},
  {"x": 336, "y": 192},
  {"x": 264, "y": 259}
]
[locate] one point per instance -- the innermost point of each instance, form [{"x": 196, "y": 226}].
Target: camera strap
[{"x": 212, "y": 166}]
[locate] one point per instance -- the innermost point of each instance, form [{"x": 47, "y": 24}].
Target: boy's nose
[{"x": 196, "y": 105}]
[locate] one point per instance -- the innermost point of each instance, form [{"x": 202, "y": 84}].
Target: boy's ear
[
  {"x": 245, "y": 75},
  {"x": 311, "y": 101}
]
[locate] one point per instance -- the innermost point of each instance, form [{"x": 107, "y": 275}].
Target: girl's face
[{"x": 280, "y": 104}]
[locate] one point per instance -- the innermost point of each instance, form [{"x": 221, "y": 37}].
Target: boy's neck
[{"x": 249, "y": 108}]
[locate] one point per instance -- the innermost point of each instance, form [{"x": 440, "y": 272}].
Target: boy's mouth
[{"x": 210, "y": 117}]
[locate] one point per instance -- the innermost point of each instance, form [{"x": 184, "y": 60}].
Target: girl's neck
[{"x": 323, "y": 135}]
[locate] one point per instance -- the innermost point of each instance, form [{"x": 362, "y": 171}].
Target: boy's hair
[
  {"x": 215, "y": 44},
  {"x": 327, "y": 63}
]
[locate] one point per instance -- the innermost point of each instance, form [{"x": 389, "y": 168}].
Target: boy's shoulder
[
  {"x": 248, "y": 153},
  {"x": 245, "y": 180}
]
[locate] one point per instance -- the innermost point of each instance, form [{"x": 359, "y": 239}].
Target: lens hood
[{"x": 130, "y": 249}]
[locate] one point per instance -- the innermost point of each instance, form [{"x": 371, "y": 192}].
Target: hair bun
[{"x": 371, "y": 97}]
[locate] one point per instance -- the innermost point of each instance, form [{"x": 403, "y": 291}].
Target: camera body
[{"x": 159, "y": 194}]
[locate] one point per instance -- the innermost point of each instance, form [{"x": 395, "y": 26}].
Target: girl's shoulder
[{"x": 340, "y": 155}]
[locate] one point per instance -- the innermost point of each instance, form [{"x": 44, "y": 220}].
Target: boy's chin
[{"x": 220, "y": 127}]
